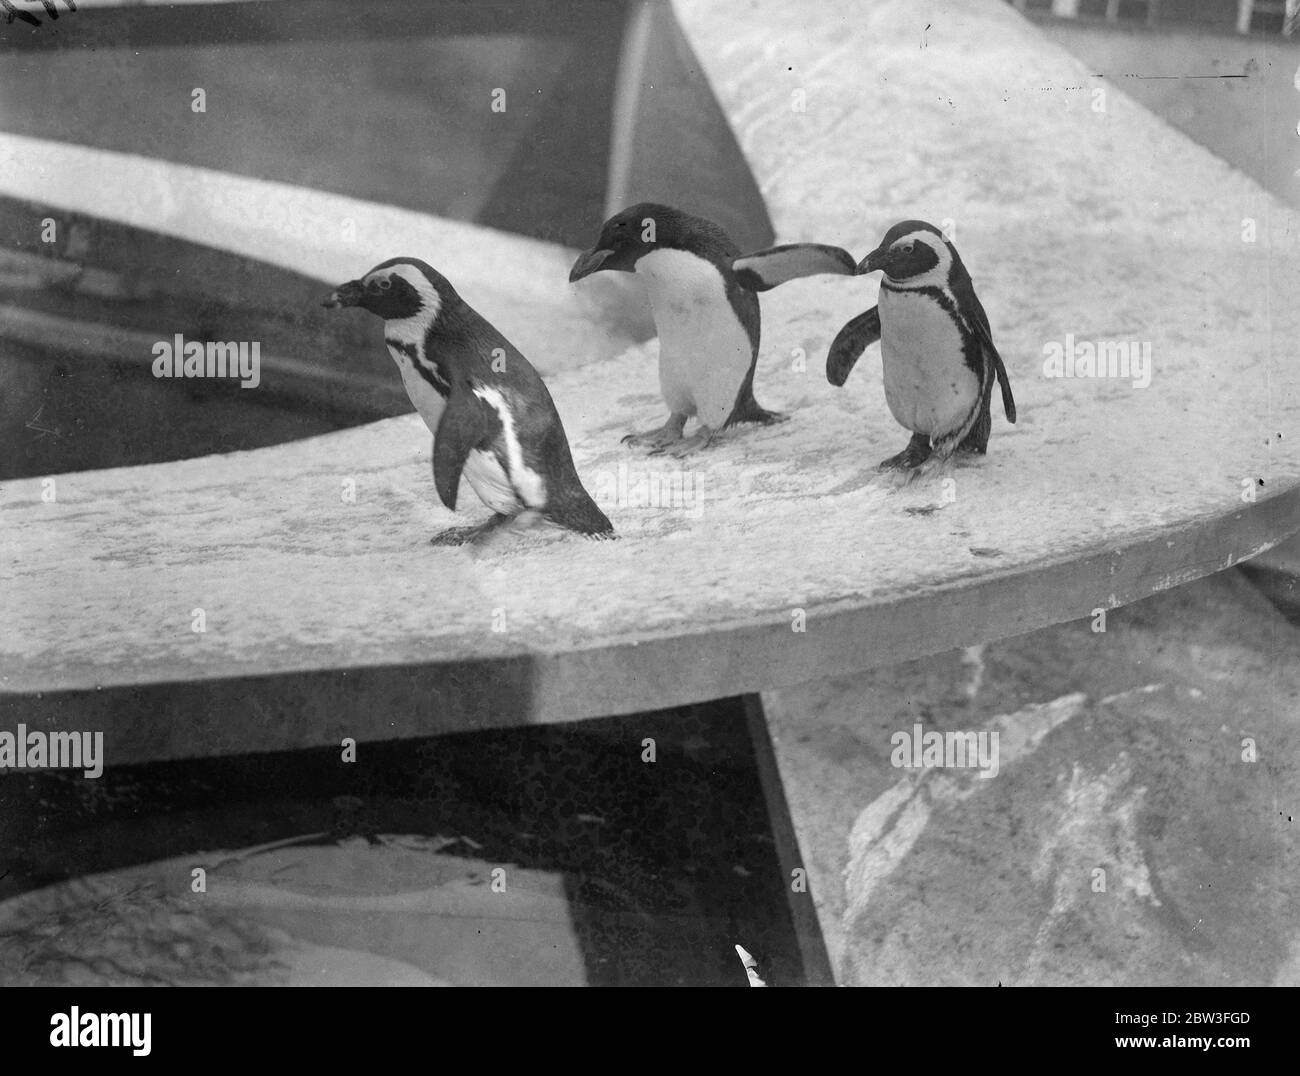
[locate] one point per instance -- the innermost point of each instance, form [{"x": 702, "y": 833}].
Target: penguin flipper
[
  {"x": 1008, "y": 402},
  {"x": 985, "y": 335},
  {"x": 849, "y": 344},
  {"x": 765, "y": 269},
  {"x": 466, "y": 423}
]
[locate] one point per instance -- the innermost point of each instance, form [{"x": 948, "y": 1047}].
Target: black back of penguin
[
  {"x": 980, "y": 353},
  {"x": 926, "y": 287},
  {"x": 492, "y": 415},
  {"x": 475, "y": 354},
  {"x": 709, "y": 326},
  {"x": 647, "y": 226}
]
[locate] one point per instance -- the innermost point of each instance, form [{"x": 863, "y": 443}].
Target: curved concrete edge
[
  {"x": 249, "y": 713},
  {"x": 520, "y": 283},
  {"x": 770, "y": 655},
  {"x": 662, "y": 669}
]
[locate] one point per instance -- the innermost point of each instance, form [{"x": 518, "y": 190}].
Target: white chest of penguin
[
  {"x": 482, "y": 470},
  {"x": 427, "y": 400},
  {"x": 507, "y": 493},
  {"x": 704, "y": 351},
  {"x": 489, "y": 480},
  {"x": 928, "y": 386}
]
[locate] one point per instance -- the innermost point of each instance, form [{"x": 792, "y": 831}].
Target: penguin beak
[
  {"x": 348, "y": 294},
  {"x": 877, "y": 259},
  {"x": 589, "y": 261}
]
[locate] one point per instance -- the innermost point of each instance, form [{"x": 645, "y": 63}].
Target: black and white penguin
[
  {"x": 708, "y": 325},
  {"x": 490, "y": 413},
  {"x": 937, "y": 348}
]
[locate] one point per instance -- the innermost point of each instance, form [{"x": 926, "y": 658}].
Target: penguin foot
[
  {"x": 936, "y": 464},
  {"x": 897, "y": 478},
  {"x": 465, "y": 535},
  {"x": 663, "y": 435},
  {"x": 758, "y": 415},
  {"x": 701, "y": 438},
  {"x": 916, "y": 453}
]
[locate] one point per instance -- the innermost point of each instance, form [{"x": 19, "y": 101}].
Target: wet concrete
[{"x": 1141, "y": 828}]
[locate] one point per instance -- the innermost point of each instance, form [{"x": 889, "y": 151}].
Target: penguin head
[
  {"x": 395, "y": 290},
  {"x": 913, "y": 253},
  {"x": 647, "y": 226}
]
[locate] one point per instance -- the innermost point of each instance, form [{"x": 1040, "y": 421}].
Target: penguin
[
  {"x": 490, "y": 414},
  {"x": 938, "y": 354},
  {"x": 708, "y": 324}
]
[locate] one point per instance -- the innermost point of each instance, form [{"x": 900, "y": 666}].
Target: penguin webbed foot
[
  {"x": 916, "y": 453},
  {"x": 660, "y": 436},
  {"x": 453, "y": 536},
  {"x": 701, "y": 438},
  {"x": 769, "y": 418},
  {"x": 899, "y": 477},
  {"x": 936, "y": 464},
  {"x": 748, "y": 409}
]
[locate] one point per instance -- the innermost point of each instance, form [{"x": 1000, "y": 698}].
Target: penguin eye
[
  {"x": 907, "y": 248},
  {"x": 384, "y": 283}
]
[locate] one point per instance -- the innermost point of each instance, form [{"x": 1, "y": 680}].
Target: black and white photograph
[{"x": 650, "y": 493}]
